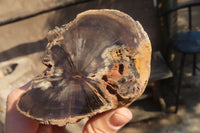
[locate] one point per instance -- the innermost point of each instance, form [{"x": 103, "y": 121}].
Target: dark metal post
[
  {"x": 190, "y": 17},
  {"x": 194, "y": 64},
  {"x": 180, "y": 81}
]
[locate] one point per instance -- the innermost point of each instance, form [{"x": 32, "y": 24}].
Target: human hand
[{"x": 108, "y": 122}]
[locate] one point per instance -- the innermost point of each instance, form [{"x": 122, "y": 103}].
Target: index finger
[{"x": 15, "y": 121}]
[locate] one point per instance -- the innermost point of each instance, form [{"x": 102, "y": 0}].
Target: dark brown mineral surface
[{"x": 97, "y": 62}]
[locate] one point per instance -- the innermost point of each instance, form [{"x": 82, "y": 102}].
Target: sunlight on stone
[{"x": 197, "y": 108}]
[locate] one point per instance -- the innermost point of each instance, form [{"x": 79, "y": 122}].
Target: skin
[{"x": 108, "y": 122}]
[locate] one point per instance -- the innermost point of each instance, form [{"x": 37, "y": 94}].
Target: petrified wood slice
[{"x": 96, "y": 63}]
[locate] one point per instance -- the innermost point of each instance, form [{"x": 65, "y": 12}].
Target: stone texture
[
  {"x": 16, "y": 72},
  {"x": 23, "y": 8}
]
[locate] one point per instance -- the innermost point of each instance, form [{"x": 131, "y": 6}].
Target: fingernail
[
  {"x": 120, "y": 117},
  {"x": 26, "y": 86}
]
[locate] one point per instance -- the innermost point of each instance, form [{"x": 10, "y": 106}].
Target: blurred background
[{"x": 171, "y": 102}]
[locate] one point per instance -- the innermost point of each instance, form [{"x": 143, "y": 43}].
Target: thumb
[{"x": 108, "y": 122}]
